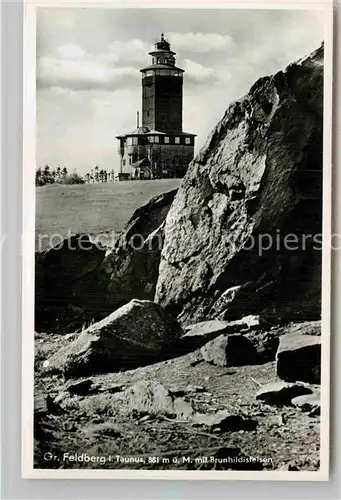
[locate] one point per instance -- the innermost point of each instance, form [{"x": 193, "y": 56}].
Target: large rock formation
[
  {"x": 80, "y": 280},
  {"x": 229, "y": 250}
]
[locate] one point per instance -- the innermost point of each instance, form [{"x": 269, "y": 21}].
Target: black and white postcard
[{"x": 177, "y": 240}]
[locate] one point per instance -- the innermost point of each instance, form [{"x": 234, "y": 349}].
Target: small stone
[
  {"x": 144, "y": 419},
  {"x": 196, "y": 362},
  {"x": 195, "y": 388},
  {"x": 81, "y": 388},
  {"x": 281, "y": 393},
  {"x": 62, "y": 396},
  {"x": 112, "y": 389},
  {"x": 69, "y": 426},
  {"x": 224, "y": 420},
  {"x": 315, "y": 413},
  {"x": 106, "y": 429},
  {"x": 308, "y": 402}
]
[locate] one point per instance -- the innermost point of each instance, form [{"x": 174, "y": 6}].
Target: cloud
[
  {"x": 198, "y": 73},
  {"x": 86, "y": 73},
  {"x": 132, "y": 51},
  {"x": 200, "y": 42},
  {"x": 71, "y": 67},
  {"x": 117, "y": 66},
  {"x": 70, "y": 51}
]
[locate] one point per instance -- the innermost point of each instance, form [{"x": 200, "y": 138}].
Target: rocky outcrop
[
  {"x": 243, "y": 233},
  {"x": 80, "y": 280},
  {"x": 299, "y": 358},
  {"x": 139, "y": 333}
]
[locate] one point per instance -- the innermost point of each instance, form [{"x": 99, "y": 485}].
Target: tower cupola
[{"x": 162, "y": 54}]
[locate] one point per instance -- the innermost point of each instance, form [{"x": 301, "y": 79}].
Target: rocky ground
[{"x": 180, "y": 407}]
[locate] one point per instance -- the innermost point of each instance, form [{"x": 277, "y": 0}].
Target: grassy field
[{"x": 92, "y": 208}]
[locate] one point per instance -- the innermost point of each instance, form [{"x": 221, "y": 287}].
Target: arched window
[
  {"x": 166, "y": 60},
  {"x": 158, "y": 60}
]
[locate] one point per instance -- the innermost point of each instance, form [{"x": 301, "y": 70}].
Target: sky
[{"x": 89, "y": 83}]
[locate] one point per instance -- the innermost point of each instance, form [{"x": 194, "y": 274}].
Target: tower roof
[{"x": 136, "y": 131}]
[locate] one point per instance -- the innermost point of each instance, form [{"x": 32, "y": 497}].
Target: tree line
[{"x": 60, "y": 175}]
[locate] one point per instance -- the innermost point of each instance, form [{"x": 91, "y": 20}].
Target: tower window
[
  {"x": 187, "y": 140},
  {"x": 153, "y": 139},
  {"x": 158, "y": 60},
  {"x": 166, "y": 140},
  {"x": 177, "y": 140}
]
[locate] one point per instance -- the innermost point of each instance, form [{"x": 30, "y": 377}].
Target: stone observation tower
[{"x": 158, "y": 148}]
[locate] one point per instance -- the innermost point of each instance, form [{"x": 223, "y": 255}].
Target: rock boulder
[
  {"x": 230, "y": 350},
  {"x": 138, "y": 333},
  {"x": 201, "y": 333},
  {"x": 299, "y": 358}
]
